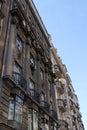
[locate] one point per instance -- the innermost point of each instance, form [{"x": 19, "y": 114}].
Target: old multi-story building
[
  {"x": 27, "y": 97},
  {"x": 35, "y": 89},
  {"x": 69, "y": 116}
]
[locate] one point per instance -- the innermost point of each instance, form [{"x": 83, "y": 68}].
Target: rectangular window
[
  {"x": 49, "y": 87},
  {"x": 32, "y": 120},
  {"x": 44, "y": 124},
  {"x": 11, "y": 109},
  {"x": 32, "y": 88},
  {"x": 35, "y": 120},
  {"x": 41, "y": 74},
  {"x": 1, "y": 25},
  {"x": 42, "y": 99},
  {"x": 19, "y": 44},
  {"x": 51, "y": 106},
  {"x": 15, "y": 109},
  {"x": 32, "y": 63},
  {"x": 17, "y": 73}
]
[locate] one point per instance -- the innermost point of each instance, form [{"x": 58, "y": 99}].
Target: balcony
[
  {"x": 45, "y": 106},
  {"x": 19, "y": 8},
  {"x": 54, "y": 114},
  {"x": 71, "y": 104},
  {"x": 63, "y": 125},
  {"x": 70, "y": 93},
  {"x": 57, "y": 70},
  {"x": 62, "y": 105},
  {"x": 73, "y": 120},
  {"x": 34, "y": 95},
  {"x": 60, "y": 87},
  {"x": 19, "y": 80},
  {"x": 39, "y": 48},
  {"x": 1, "y": 14}
]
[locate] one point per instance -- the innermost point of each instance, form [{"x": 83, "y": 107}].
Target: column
[{"x": 10, "y": 48}]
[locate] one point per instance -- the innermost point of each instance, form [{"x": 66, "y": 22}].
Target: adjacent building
[
  {"x": 69, "y": 116},
  {"x": 35, "y": 88}
]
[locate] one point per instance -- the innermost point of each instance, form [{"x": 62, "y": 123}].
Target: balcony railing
[
  {"x": 35, "y": 95},
  {"x": 54, "y": 114},
  {"x": 63, "y": 125},
  {"x": 19, "y": 80},
  {"x": 21, "y": 6},
  {"x": 45, "y": 106},
  {"x": 71, "y": 104},
  {"x": 70, "y": 93},
  {"x": 57, "y": 70},
  {"x": 73, "y": 120},
  {"x": 62, "y": 104},
  {"x": 60, "y": 87}
]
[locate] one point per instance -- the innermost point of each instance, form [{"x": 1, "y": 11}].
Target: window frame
[
  {"x": 19, "y": 44},
  {"x": 13, "y": 98},
  {"x": 32, "y": 88},
  {"x": 17, "y": 70},
  {"x": 42, "y": 99},
  {"x": 34, "y": 121},
  {"x": 41, "y": 74},
  {"x": 32, "y": 62}
]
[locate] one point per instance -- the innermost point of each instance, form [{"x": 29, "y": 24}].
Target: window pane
[
  {"x": 32, "y": 92},
  {"x": 30, "y": 120},
  {"x": 32, "y": 85},
  {"x": 18, "y": 112},
  {"x": 42, "y": 99},
  {"x": 11, "y": 110},
  {"x": 35, "y": 120},
  {"x": 19, "y": 100},
  {"x": 32, "y": 88},
  {"x": 19, "y": 45},
  {"x": 42, "y": 74},
  {"x": 17, "y": 68},
  {"x": 47, "y": 126},
  {"x": 16, "y": 73}
]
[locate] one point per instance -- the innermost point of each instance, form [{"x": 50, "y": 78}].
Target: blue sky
[{"x": 66, "y": 21}]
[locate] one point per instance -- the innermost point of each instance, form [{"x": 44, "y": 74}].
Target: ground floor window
[
  {"x": 15, "y": 108},
  {"x": 32, "y": 120}
]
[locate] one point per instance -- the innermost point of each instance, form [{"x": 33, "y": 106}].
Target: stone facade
[
  {"x": 28, "y": 94},
  {"x": 68, "y": 111}
]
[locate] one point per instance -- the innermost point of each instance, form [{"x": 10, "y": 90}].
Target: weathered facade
[
  {"x": 29, "y": 98},
  {"x": 69, "y": 116}
]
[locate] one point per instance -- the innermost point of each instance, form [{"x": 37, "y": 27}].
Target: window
[
  {"x": 1, "y": 25},
  {"x": 32, "y": 120},
  {"x": 15, "y": 108},
  {"x": 32, "y": 62},
  {"x": 42, "y": 99},
  {"x": 51, "y": 106},
  {"x": 49, "y": 87},
  {"x": 17, "y": 73},
  {"x": 41, "y": 74},
  {"x": 35, "y": 120},
  {"x": 44, "y": 124},
  {"x": 54, "y": 127},
  {"x": 32, "y": 88},
  {"x": 19, "y": 44}
]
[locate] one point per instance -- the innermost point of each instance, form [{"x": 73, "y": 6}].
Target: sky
[{"x": 66, "y": 21}]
